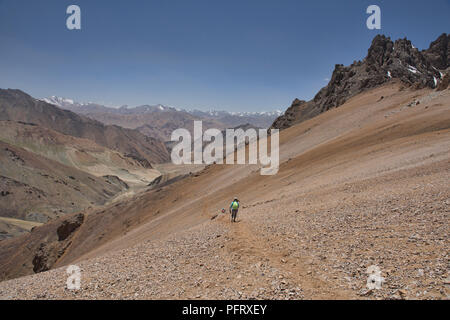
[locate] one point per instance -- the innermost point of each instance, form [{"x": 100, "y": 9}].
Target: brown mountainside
[
  {"x": 361, "y": 184},
  {"x": 35, "y": 188},
  {"x": 82, "y": 154},
  {"x": 18, "y": 106}
]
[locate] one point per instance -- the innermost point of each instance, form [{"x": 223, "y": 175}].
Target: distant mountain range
[
  {"x": 16, "y": 105},
  {"x": 54, "y": 162},
  {"x": 158, "y": 121}
]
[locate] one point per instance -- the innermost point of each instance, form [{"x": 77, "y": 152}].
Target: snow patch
[
  {"x": 412, "y": 69},
  {"x": 440, "y": 73}
]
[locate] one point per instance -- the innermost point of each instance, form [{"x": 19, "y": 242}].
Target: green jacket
[{"x": 231, "y": 205}]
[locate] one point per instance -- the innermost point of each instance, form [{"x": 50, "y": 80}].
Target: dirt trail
[
  {"x": 357, "y": 186},
  {"x": 250, "y": 248}
]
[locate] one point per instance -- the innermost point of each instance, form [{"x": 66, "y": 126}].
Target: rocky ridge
[{"x": 386, "y": 60}]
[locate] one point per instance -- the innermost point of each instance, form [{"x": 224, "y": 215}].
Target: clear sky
[{"x": 250, "y": 55}]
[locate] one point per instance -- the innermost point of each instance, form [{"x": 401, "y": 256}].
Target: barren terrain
[{"x": 360, "y": 185}]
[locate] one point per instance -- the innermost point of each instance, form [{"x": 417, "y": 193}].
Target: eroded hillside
[{"x": 363, "y": 184}]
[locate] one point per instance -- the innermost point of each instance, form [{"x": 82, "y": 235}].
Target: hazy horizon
[{"x": 233, "y": 56}]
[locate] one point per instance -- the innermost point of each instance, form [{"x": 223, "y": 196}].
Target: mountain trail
[{"x": 247, "y": 247}]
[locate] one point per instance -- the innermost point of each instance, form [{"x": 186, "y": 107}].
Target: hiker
[{"x": 234, "y": 207}]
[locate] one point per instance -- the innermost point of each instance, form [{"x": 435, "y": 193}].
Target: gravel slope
[{"x": 373, "y": 194}]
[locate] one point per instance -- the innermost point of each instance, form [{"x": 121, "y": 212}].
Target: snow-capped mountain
[
  {"x": 159, "y": 121},
  {"x": 91, "y": 106},
  {"x": 58, "y": 101},
  {"x": 219, "y": 113},
  {"x": 77, "y": 107}
]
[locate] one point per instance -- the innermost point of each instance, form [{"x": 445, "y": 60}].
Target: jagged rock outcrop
[
  {"x": 445, "y": 81},
  {"x": 385, "y": 60},
  {"x": 156, "y": 181},
  {"x": 49, "y": 251},
  {"x": 299, "y": 109},
  {"x": 115, "y": 180},
  {"x": 69, "y": 226},
  {"x": 438, "y": 54}
]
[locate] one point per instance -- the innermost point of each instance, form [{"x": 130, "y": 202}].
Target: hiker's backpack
[{"x": 235, "y": 205}]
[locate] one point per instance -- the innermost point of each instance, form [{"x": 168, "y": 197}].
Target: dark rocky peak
[
  {"x": 439, "y": 52},
  {"x": 298, "y": 102},
  {"x": 380, "y": 50},
  {"x": 385, "y": 60}
]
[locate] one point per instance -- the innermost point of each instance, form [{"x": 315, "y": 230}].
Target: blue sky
[{"x": 231, "y": 55}]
